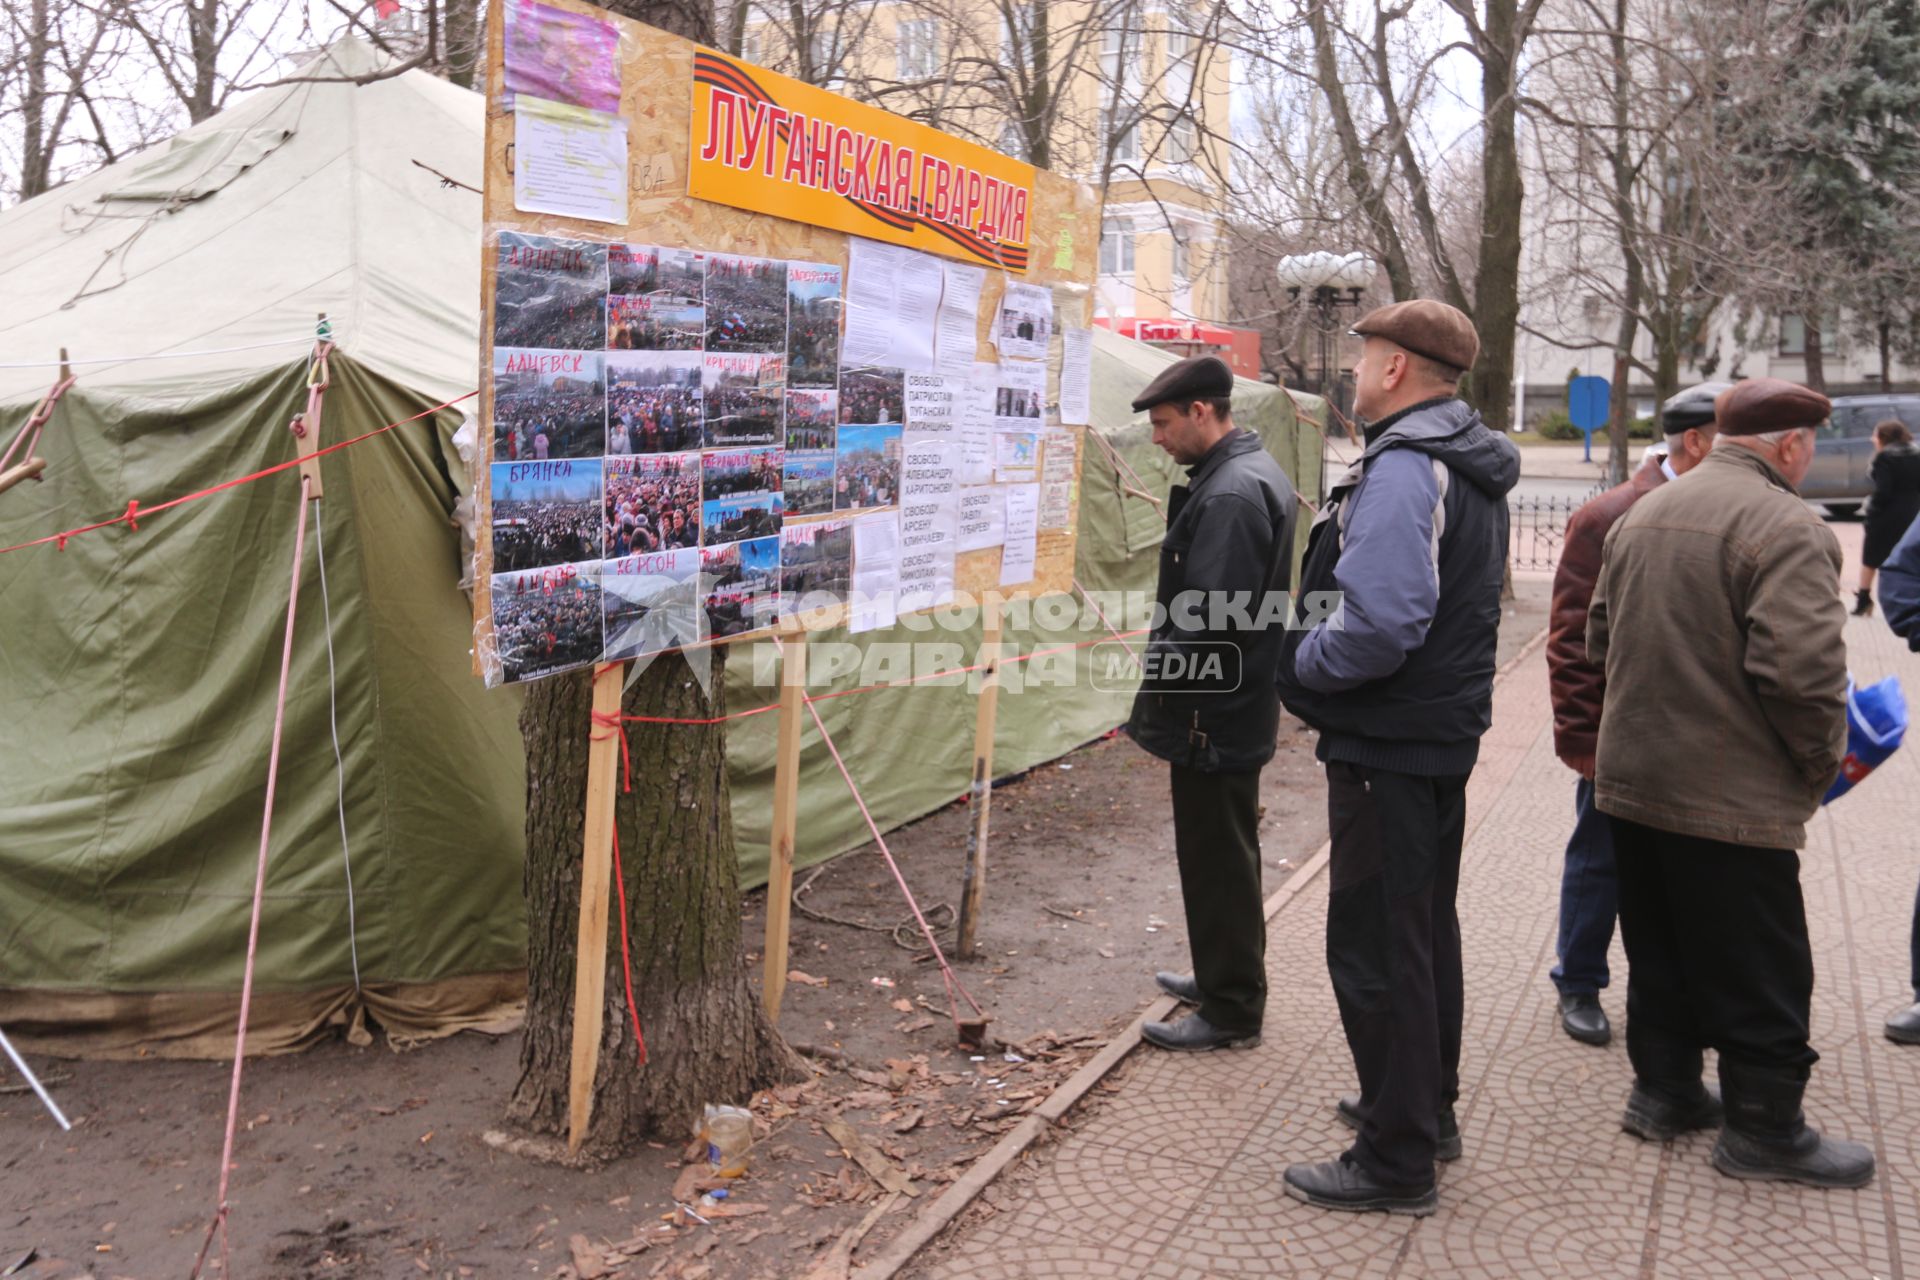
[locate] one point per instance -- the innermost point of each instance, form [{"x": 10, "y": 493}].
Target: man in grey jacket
[
  {"x": 1399, "y": 682},
  {"x": 1718, "y": 617}
]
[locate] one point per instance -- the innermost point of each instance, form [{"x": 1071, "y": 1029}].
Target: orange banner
[{"x": 772, "y": 144}]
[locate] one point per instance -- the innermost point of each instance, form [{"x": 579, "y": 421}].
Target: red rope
[
  {"x": 626, "y": 949},
  {"x": 133, "y": 505},
  {"x": 259, "y": 892},
  {"x": 42, "y": 413}
]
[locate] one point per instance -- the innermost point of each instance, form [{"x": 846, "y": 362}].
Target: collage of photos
[{"x": 743, "y": 586}]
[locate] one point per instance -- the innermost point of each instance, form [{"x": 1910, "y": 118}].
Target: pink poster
[{"x": 562, "y": 57}]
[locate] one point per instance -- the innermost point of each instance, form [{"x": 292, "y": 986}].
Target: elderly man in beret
[
  {"x": 1718, "y": 618},
  {"x": 1588, "y": 898},
  {"x": 1400, "y": 685},
  {"x": 1206, "y": 703}
]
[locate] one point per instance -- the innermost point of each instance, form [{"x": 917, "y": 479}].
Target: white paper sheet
[
  {"x": 569, "y": 160},
  {"x": 983, "y": 518},
  {"x": 876, "y": 571},
  {"x": 976, "y": 424},
  {"x": 929, "y": 520},
  {"x": 958, "y": 337},
  {"x": 934, "y": 404},
  {"x": 1076, "y": 377},
  {"x": 1056, "y": 478},
  {"x": 1025, "y": 323},
  {"x": 892, "y": 298},
  {"x": 1020, "y": 404},
  {"x": 1023, "y": 529}
]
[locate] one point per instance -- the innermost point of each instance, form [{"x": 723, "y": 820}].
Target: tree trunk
[
  {"x": 1886, "y": 357},
  {"x": 36, "y": 159},
  {"x": 1496, "y": 287},
  {"x": 464, "y": 40},
  {"x": 1816, "y": 355},
  {"x": 203, "y": 45},
  {"x": 708, "y": 1038}
]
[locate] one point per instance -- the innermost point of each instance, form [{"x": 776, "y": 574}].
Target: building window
[
  {"x": 919, "y": 43},
  {"x": 823, "y": 56},
  {"x": 1122, "y": 132},
  {"x": 1180, "y": 59},
  {"x": 1116, "y": 248},
  {"x": 1793, "y": 335},
  {"x": 1013, "y": 140},
  {"x": 1182, "y": 254},
  {"x": 1016, "y": 38},
  {"x": 1180, "y": 141}
]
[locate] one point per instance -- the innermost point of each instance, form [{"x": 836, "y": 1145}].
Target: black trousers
[
  {"x": 1216, "y": 839},
  {"x": 1393, "y": 950},
  {"x": 1717, "y": 956}
]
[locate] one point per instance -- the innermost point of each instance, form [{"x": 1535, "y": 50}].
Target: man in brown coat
[
  {"x": 1589, "y": 898},
  {"x": 1718, "y": 618}
]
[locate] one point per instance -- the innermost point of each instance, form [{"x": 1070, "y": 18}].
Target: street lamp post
[{"x": 1330, "y": 285}]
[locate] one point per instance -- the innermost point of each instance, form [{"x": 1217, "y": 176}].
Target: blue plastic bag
[{"x": 1876, "y": 721}]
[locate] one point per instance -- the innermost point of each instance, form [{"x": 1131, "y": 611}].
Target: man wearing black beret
[
  {"x": 1206, "y": 703},
  {"x": 1400, "y": 685}
]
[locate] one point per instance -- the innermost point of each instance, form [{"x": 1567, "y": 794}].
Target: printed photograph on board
[
  {"x": 746, "y": 303},
  {"x": 869, "y": 393},
  {"x": 640, "y": 323},
  {"x": 562, "y": 56},
  {"x": 813, "y": 324},
  {"x": 810, "y": 419},
  {"x": 742, "y": 493},
  {"x": 743, "y": 585},
  {"x": 743, "y": 396},
  {"x": 548, "y": 404},
  {"x": 808, "y": 489},
  {"x": 545, "y": 513},
  {"x": 1016, "y": 402},
  {"x": 816, "y": 565},
  {"x": 653, "y": 603},
  {"x": 653, "y": 401},
  {"x": 653, "y": 503},
  {"x": 549, "y": 293},
  {"x": 546, "y": 620},
  {"x": 866, "y": 471}
]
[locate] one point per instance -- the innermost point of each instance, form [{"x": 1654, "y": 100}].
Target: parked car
[{"x": 1838, "y": 478}]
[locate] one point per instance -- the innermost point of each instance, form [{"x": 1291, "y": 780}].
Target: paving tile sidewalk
[{"x": 1177, "y": 1177}]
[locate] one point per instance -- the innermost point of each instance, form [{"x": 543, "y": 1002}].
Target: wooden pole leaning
[
  {"x": 596, "y": 863},
  {"x": 786, "y": 797},
  {"x": 973, "y": 882}
]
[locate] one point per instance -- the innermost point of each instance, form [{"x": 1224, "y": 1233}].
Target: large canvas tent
[{"x": 138, "y": 668}]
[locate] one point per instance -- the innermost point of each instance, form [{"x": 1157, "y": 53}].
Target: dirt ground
[{"x": 364, "y": 1162}]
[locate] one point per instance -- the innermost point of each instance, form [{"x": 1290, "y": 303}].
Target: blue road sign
[{"x": 1589, "y": 403}]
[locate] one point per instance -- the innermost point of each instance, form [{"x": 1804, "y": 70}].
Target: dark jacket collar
[
  {"x": 1734, "y": 455},
  {"x": 1234, "y": 442}
]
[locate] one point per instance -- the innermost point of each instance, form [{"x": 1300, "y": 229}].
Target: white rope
[
  {"x": 339, "y": 763},
  {"x": 157, "y": 355}
]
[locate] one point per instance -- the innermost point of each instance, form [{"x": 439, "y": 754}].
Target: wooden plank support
[
  {"x": 786, "y": 804},
  {"x": 596, "y": 864},
  {"x": 28, "y": 470},
  {"x": 973, "y": 882}
]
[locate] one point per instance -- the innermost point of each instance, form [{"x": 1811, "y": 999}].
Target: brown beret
[
  {"x": 1426, "y": 328},
  {"x": 1759, "y": 405},
  {"x": 1183, "y": 382}
]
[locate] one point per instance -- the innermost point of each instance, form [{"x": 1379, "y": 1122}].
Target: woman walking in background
[{"x": 1896, "y": 501}]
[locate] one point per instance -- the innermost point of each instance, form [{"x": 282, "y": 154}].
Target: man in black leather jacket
[{"x": 1207, "y": 704}]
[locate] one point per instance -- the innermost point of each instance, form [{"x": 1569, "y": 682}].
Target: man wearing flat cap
[
  {"x": 1588, "y": 899},
  {"x": 1399, "y": 682},
  {"x": 1718, "y": 619},
  {"x": 1206, "y": 703}
]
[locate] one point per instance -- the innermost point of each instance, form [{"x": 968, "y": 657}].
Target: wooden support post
[
  {"x": 317, "y": 380},
  {"x": 973, "y": 882},
  {"x": 786, "y": 796},
  {"x": 28, "y": 470},
  {"x": 590, "y": 957}
]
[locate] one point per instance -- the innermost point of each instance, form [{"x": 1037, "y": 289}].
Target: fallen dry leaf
[{"x": 804, "y": 978}]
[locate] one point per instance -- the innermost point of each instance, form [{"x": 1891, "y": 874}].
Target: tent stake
[{"x": 40, "y": 1090}]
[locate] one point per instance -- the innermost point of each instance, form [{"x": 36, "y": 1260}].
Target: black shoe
[
  {"x": 1342, "y": 1184},
  {"x": 1348, "y": 1109},
  {"x": 1904, "y": 1026},
  {"x": 1863, "y": 603},
  {"x": 1658, "y": 1118},
  {"x": 1194, "y": 1034},
  {"x": 1179, "y": 986},
  {"x": 1806, "y": 1158},
  {"x": 1582, "y": 1018}
]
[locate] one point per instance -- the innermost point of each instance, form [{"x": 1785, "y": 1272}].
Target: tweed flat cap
[
  {"x": 1195, "y": 378},
  {"x": 1759, "y": 405},
  {"x": 1426, "y": 328},
  {"x": 1690, "y": 408}
]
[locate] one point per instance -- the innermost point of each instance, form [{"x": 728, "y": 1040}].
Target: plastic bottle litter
[{"x": 729, "y": 1135}]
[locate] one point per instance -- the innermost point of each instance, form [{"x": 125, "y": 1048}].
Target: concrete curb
[{"x": 940, "y": 1214}]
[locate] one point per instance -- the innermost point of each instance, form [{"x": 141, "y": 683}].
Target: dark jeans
[
  {"x": 1393, "y": 951},
  {"x": 1717, "y": 955},
  {"x": 1216, "y": 839},
  {"x": 1913, "y": 944},
  {"x": 1589, "y": 899}
]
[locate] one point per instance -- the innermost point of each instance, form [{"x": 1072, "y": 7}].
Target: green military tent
[{"x": 138, "y": 666}]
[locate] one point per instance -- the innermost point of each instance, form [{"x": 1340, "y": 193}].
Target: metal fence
[{"x": 1539, "y": 528}]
